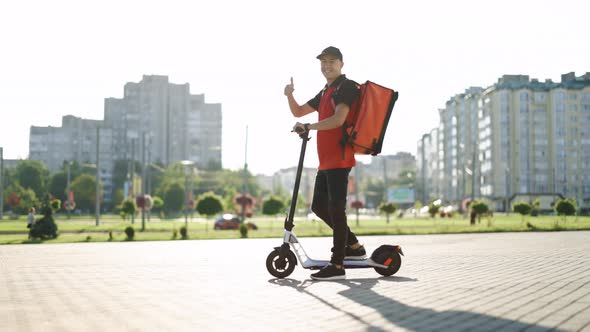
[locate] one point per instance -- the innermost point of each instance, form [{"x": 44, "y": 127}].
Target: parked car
[{"x": 230, "y": 221}]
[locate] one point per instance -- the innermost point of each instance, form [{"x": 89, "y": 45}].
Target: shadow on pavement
[{"x": 404, "y": 316}]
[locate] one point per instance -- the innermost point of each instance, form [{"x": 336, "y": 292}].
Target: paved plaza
[{"x": 463, "y": 282}]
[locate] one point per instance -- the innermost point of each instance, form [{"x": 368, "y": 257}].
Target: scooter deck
[{"x": 313, "y": 264}]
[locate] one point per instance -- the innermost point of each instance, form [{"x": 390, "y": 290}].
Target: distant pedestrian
[{"x": 31, "y": 220}]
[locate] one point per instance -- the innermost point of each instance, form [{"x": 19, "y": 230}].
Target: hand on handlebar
[{"x": 299, "y": 128}]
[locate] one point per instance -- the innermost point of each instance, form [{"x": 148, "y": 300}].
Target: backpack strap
[{"x": 345, "y": 136}]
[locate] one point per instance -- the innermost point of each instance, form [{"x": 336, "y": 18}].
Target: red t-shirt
[{"x": 329, "y": 142}]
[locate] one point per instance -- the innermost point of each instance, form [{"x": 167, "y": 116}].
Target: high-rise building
[
  {"x": 429, "y": 165},
  {"x": 517, "y": 137},
  {"x": 177, "y": 125},
  {"x": 75, "y": 140},
  {"x": 172, "y": 124}
]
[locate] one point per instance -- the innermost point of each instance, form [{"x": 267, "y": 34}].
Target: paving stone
[{"x": 462, "y": 282}]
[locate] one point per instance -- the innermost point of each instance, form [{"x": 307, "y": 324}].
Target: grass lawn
[{"x": 83, "y": 229}]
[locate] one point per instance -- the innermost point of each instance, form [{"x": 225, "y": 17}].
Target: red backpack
[{"x": 367, "y": 119}]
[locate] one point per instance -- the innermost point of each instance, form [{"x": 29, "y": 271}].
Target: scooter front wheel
[{"x": 281, "y": 267}]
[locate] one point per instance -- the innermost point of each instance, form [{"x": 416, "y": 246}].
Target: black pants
[{"x": 329, "y": 203}]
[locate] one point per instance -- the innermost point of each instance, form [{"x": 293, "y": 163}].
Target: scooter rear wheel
[
  {"x": 281, "y": 268},
  {"x": 394, "y": 264}
]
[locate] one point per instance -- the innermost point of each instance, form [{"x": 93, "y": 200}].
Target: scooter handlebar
[{"x": 302, "y": 132}]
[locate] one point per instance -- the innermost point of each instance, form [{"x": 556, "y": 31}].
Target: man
[{"x": 336, "y": 160}]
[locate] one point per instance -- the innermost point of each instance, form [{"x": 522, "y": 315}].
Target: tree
[
  {"x": 417, "y": 207},
  {"x": 20, "y": 199},
  {"x": 209, "y": 204},
  {"x": 228, "y": 198},
  {"x": 374, "y": 193},
  {"x": 273, "y": 206},
  {"x": 405, "y": 178},
  {"x": 565, "y": 207},
  {"x": 120, "y": 172},
  {"x": 55, "y": 204},
  {"x": 523, "y": 208},
  {"x": 387, "y": 208},
  {"x": 158, "y": 204},
  {"x": 13, "y": 200},
  {"x": 174, "y": 198},
  {"x": 128, "y": 208},
  {"x": 84, "y": 188},
  {"x": 32, "y": 174},
  {"x": 57, "y": 185},
  {"x": 357, "y": 205},
  {"x": 479, "y": 208},
  {"x": 535, "y": 207}
]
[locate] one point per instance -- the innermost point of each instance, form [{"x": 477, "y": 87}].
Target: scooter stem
[{"x": 289, "y": 221}]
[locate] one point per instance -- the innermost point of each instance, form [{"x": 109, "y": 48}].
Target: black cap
[{"x": 331, "y": 50}]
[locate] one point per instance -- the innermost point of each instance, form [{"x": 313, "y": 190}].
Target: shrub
[
  {"x": 387, "y": 208},
  {"x": 480, "y": 208},
  {"x": 535, "y": 208},
  {"x": 209, "y": 204},
  {"x": 45, "y": 228},
  {"x": 55, "y": 204},
  {"x": 273, "y": 206},
  {"x": 183, "y": 233},
  {"x": 130, "y": 232},
  {"x": 565, "y": 207},
  {"x": 523, "y": 208},
  {"x": 433, "y": 210},
  {"x": 244, "y": 230},
  {"x": 128, "y": 208}
]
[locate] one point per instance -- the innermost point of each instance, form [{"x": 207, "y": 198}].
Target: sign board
[{"x": 400, "y": 195}]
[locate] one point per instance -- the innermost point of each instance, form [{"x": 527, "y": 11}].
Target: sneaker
[
  {"x": 329, "y": 272},
  {"x": 355, "y": 254}
]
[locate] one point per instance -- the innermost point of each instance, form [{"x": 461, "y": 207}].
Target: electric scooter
[{"x": 280, "y": 263}]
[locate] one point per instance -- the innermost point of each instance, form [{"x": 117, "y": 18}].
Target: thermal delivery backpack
[{"x": 367, "y": 119}]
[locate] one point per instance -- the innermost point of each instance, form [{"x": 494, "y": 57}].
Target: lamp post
[
  {"x": 68, "y": 201},
  {"x": 143, "y": 180},
  {"x": 507, "y": 189},
  {"x": 473, "y": 160},
  {"x": 245, "y": 180},
  {"x": 188, "y": 170}
]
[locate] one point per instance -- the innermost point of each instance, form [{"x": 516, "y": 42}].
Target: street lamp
[
  {"x": 97, "y": 191},
  {"x": 507, "y": 188},
  {"x": 188, "y": 170}
]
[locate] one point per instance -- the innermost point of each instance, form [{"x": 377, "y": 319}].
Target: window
[
  {"x": 560, "y": 95},
  {"x": 540, "y": 97},
  {"x": 560, "y": 107}
]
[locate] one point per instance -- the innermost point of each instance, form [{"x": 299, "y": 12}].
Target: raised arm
[{"x": 296, "y": 109}]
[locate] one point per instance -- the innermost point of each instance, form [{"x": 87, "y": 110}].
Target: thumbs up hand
[{"x": 289, "y": 88}]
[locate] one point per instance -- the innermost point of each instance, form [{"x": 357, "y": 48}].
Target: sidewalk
[{"x": 467, "y": 282}]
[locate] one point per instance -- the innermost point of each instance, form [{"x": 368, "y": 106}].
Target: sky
[{"x": 64, "y": 57}]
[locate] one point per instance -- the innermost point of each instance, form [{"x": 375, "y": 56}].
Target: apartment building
[
  {"x": 155, "y": 121},
  {"x": 519, "y": 136},
  {"x": 429, "y": 165},
  {"x": 175, "y": 124}
]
